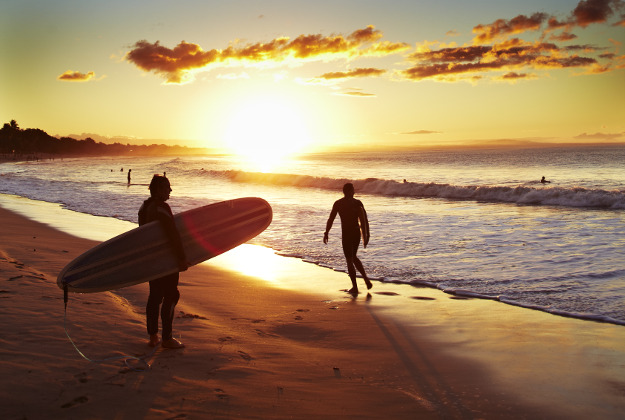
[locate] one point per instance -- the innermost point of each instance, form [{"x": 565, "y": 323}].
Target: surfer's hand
[{"x": 325, "y": 238}]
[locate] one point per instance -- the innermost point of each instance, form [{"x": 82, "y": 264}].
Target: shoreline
[
  {"x": 278, "y": 338},
  {"x": 108, "y": 227}
]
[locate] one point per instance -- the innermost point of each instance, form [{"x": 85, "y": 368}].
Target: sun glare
[{"x": 266, "y": 132}]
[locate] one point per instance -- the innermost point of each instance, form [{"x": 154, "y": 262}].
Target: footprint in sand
[
  {"x": 82, "y": 377},
  {"x": 78, "y": 400},
  {"x": 245, "y": 356},
  {"x": 262, "y": 333},
  {"x": 221, "y": 394},
  {"x": 192, "y": 316}
]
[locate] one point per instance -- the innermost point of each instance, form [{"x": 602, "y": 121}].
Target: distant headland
[{"x": 34, "y": 144}]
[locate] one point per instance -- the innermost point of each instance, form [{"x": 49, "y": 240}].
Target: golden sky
[{"x": 301, "y": 75}]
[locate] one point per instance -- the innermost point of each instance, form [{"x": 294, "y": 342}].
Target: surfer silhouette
[
  {"x": 129, "y": 170},
  {"x": 544, "y": 181},
  {"x": 163, "y": 290},
  {"x": 353, "y": 222}
]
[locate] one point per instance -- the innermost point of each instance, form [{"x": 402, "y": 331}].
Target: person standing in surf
[
  {"x": 353, "y": 222},
  {"x": 163, "y": 290}
]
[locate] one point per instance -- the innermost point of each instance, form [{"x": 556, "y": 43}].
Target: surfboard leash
[{"x": 125, "y": 358}]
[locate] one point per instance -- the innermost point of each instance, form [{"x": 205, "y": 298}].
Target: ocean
[{"x": 476, "y": 223}]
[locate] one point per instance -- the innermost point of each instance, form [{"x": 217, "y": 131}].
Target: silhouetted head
[
  {"x": 348, "y": 189},
  {"x": 160, "y": 187}
]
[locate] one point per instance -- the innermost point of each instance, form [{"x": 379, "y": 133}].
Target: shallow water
[{"x": 475, "y": 222}]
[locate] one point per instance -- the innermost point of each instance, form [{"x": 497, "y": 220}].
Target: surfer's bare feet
[
  {"x": 172, "y": 343},
  {"x": 154, "y": 341},
  {"x": 368, "y": 283},
  {"x": 353, "y": 291}
]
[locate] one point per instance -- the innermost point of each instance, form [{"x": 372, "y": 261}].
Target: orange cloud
[
  {"x": 353, "y": 73},
  {"x": 507, "y": 56},
  {"x": 421, "y": 132},
  {"x": 600, "y": 136},
  {"x": 356, "y": 93},
  {"x": 511, "y": 55},
  {"x": 76, "y": 76},
  {"x": 564, "y": 36},
  {"x": 176, "y": 64},
  {"x": 513, "y": 76},
  {"x": 594, "y": 11},
  {"x": 503, "y": 28},
  {"x": 588, "y": 12}
]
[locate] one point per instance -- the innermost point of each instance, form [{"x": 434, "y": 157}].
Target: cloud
[
  {"x": 564, "y": 36},
  {"x": 76, "y": 76},
  {"x": 588, "y": 12},
  {"x": 360, "y": 72},
  {"x": 496, "y": 50},
  {"x": 513, "y": 76},
  {"x": 507, "y": 56},
  {"x": 594, "y": 11},
  {"x": 356, "y": 93},
  {"x": 421, "y": 132},
  {"x": 177, "y": 64},
  {"x": 502, "y": 28},
  {"x": 600, "y": 136}
]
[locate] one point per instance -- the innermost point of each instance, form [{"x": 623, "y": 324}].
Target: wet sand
[{"x": 274, "y": 337}]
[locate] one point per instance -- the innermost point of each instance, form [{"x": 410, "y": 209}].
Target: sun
[{"x": 265, "y": 132}]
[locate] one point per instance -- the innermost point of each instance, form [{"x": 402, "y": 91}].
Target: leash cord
[{"x": 125, "y": 358}]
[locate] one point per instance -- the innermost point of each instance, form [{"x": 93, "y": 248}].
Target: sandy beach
[{"x": 273, "y": 337}]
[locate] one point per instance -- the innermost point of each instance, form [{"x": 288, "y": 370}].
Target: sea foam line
[{"x": 526, "y": 195}]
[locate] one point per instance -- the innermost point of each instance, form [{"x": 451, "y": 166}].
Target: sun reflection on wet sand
[{"x": 251, "y": 260}]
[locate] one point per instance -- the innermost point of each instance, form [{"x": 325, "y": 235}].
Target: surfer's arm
[
  {"x": 329, "y": 223},
  {"x": 174, "y": 237}
]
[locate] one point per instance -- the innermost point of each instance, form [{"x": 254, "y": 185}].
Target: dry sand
[{"x": 271, "y": 337}]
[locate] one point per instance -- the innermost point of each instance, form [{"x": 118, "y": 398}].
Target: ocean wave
[{"x": 526, "y": 195}]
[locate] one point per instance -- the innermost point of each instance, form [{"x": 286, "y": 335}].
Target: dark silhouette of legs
[
  {"x": 350, "y": 248},
  {"x": 162, "y": 291}
]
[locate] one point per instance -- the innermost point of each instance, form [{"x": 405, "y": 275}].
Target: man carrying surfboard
[
  {"x": 353, "y": 222},
  {"x": 165, "y": 289}
]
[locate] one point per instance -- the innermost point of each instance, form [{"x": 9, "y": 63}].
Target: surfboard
[
  {"x": 364, "y": 226},
  {"x": 145, "y": 253}
]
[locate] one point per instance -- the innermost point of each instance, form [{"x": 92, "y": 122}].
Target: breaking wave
[{"x": 527, "y": 195}]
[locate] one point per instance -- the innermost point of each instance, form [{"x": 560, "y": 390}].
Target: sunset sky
[{"x": 303, "y": 75}]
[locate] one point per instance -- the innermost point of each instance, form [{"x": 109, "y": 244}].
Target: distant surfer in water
[
  {"x": 544, "y": 181},
  {"x": 129, "y": 170},
  {"x": 351, "y": 212},
  {"x": 165, "y": 289}
]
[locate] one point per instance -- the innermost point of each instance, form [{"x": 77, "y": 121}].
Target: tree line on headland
[{"x": 34, "y": 143}]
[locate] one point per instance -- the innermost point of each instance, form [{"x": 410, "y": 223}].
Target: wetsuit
[
  {"x": 165, "y": 289},
  {"x": 348, "y": 209}
]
